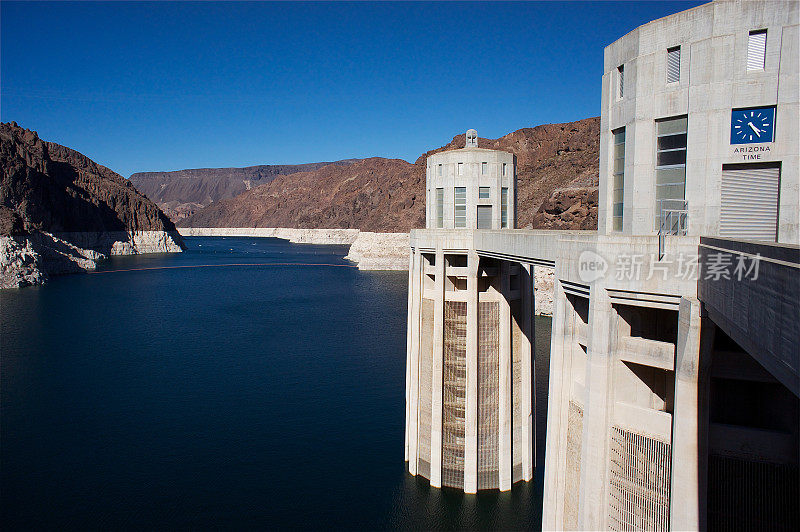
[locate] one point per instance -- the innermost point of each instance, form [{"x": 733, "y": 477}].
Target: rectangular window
[
  {"x": 460, "y": 168},
  {"x": 756, "y": 50},
  {"x": 504, "y": 169},
  {"x": 439, "y": 208},
  {"x": 460, "y": 218},
  {"x": 504, "y": 207},
  {"x": 483, "y": 192},
  {"x": 670, "y": 165},
  {"x": 484, "y": 168},
  {"x": 618, "y": 172},
  {"x": 620, "y": 82},
  {"x": 674, "y": 64},
  {"x": 440, "y": 170},
  {"x": 484, "y": 216}
]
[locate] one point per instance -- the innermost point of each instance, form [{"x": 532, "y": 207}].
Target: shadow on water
[{"x": 237, "y": 397}]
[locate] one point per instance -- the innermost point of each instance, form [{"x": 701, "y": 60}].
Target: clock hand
[{"x": 754, "y": 128}]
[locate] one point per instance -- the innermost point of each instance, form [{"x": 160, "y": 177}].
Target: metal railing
[{"x": 672, "y": 219}]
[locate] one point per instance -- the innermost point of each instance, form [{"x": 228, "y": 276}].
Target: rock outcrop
[
  {"x": 60, "y": 212},
  {"x": 380, "y": 251},
  {"x": 568, "y": 208},
  {"x": 388, "y": 195},
  {"x": 183, "y": 192}
]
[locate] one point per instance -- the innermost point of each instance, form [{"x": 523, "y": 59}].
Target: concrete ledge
[
  {"x": 645, "y": 421},
  {"x": 648, "y": 352}
]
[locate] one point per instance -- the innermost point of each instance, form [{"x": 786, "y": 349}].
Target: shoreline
[{"x": 29, "y": 260}]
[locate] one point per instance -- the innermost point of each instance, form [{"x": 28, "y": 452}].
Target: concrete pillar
[
  {"x": 557, "y": 410},
  {"x": 593, "y": 507},
  {"x": 436, "y": 373},
  {"x": 415, "y": 300},
  {"x": 409, "y": 326},
  {"x": 505, "y": 418},
  {"x": 471, "y": 405},
  {"x": 684, "y": 511},
  {"x": 526, "y": 390}
]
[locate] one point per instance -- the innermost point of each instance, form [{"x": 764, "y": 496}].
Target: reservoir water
[{"x": 245, "y": 383}]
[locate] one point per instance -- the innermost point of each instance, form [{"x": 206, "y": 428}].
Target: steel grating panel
[
  {"x": 454, "y": 393},
  {"x": 639, "y": 476},
  {"x": 488, "y": 395}
]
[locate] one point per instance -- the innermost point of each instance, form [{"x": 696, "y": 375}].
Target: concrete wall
[
  {"x": 714, "y": 80},
  {"x": 471, "y": 178}
]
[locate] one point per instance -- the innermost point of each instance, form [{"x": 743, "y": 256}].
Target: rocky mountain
[
  {"x": 184, "y": 192},
  {"x": 60, "y": 211},
  {"x": 557, "y": 175},
  {"x": 373, "y": 194}
]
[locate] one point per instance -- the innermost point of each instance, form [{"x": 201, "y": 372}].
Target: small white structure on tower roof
[{"x": 472, "y": 138}]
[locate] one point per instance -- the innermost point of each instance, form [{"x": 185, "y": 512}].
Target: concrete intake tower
[{"x": 469, "y": 421}]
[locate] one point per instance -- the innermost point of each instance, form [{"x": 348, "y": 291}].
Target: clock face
[{"x": 752, "y": 125}]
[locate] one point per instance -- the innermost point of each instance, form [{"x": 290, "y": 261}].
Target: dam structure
[{"x": 674, "y": 390}]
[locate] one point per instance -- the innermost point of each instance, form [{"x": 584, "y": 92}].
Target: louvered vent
[
  {"x": 749, "y": 203},
  {"x": 674, "y": 64},
  {"x": 756, "y": 50}
]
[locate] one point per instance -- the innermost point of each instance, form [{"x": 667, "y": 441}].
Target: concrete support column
[
  {"x": 415, "y": 300},
  {"x": 557, "y": 401},
  {"x": 526, "y": 391},
  {"x": 593, "y": 513},
  {"x": 471, "y": 406},
  {"x": 436, "y": 373},
  {"x": 684, "y": 493},
  {"x": 505, "y": 419},
  {"x": 409, "y": 326}
]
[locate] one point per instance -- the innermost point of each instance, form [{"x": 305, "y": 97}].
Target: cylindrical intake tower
[
  {"x": 469, "y": 422},
  {"x": 470, "y": 188}
]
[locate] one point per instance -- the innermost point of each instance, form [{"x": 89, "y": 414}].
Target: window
[
  {"x": 440, "y": 207},
  {"x": 484, "y": 216},
  {"x": 674, "y": 64},
  {"x": 504, "y": 169},
  {"x": 460, "y": 168},
  {"x": 504, "y": 207},
  {"x": 620, "y": 81},
  {"x": 440, "y": 170},
  {"x": 460, "y": 218},
  {"x": 484, "y": 168},
  {"x": 756, "y": 50},
  {"x": 670, "y": 165},
  {"x": 618, "y": 172},
  {"x": 483, "y": 192}
]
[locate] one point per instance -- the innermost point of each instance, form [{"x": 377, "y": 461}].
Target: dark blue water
[{"x": 246, "y": 396}]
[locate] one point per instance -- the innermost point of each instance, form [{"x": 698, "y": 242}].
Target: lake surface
[{"x": 266, "y": 394}]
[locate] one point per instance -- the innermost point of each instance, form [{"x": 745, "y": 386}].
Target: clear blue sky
[{"x": 165, "y": 86}]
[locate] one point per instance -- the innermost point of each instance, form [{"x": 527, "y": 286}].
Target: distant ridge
[
  {"x": 183, "y": 192},
  {"x": 557, "y": 176}
]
